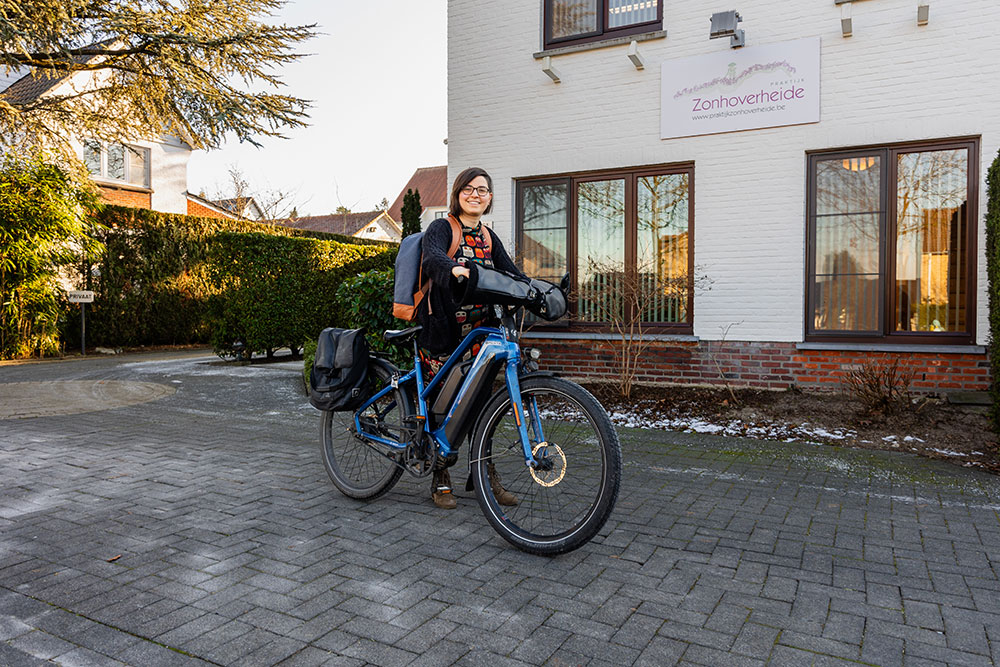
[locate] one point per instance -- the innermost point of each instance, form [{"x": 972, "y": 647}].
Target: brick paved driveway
[{"x": 200, "y": 528}]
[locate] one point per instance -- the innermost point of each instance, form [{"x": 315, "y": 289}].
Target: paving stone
[
  {"x": 11, "y": 627},
  {"x": 379, "y": 654},
  {"x": 41, "y": 644},
  {"x": 84, "y": 657},
  {"x": 755, "y": 641},
  {"x": 11, "y": 657}
]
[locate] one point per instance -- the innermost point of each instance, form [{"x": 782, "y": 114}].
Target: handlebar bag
[
  {"x": 550, "y": 303},
  {"x": 339, "y": 377}
]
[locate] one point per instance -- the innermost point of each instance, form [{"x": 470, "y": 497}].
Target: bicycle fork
[{"x": 517, "y": 407}]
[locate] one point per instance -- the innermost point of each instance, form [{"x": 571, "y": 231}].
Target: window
[
  {"x": 891, "y": 252},
  {"x": 117, "y": 162},
  {"x": 573, "y": 21},
  {"x": 613, "y": 232}
]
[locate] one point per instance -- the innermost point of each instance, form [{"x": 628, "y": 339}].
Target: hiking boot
[
  {"x": 503, "y": 496},
  {"x": 441, "y": 490}
]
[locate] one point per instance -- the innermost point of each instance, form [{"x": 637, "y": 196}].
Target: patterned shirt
[{"x": 471, "y": 249}]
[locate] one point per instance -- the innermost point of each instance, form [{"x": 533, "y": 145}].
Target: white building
[
  {"x": 144, "y": 173},
  {"x": 796, "y": 204}
]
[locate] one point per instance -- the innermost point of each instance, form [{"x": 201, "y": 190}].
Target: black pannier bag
[{"x": 339, "y": 377}]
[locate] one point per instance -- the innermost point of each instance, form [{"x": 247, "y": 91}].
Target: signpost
[{"x": 82, "y": 297}]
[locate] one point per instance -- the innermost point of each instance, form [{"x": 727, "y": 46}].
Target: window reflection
[
  {"x": 845, "y": 291},
  {"x": 116, "y": 162},
  {"x": 600, "y": 248},
  {"x": 629, "y": 12},
  {"x": 573, "y": 17},
  {"x": 662, "y": 247},
  {"x": 543, "y": 216},
  {"x": 137, "y": 165},
  {"x": 930, "y": 286},
  {"x": 92, "y": 156}
]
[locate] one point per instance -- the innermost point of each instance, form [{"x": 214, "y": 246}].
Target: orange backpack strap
[
  {"x": 456, "y": 235},
  {"x": 456, "y": 241}
]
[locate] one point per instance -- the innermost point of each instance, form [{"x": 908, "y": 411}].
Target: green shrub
[
  {"x": 274, "y": 291},
  {"x": 44, "y": 226},
  {"x": 993, "y": 272},
  {"x": 365, "y": 300}
]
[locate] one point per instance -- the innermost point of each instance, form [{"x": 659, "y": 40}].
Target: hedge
[
  {"x": 152, "y": 283},
  {"x": 993, "y": 273},
  {"x": 272, "y": 291}
]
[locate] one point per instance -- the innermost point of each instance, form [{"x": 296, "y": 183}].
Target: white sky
[{"x": 377, "y": 80}]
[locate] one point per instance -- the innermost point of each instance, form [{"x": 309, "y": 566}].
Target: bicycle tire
[
  {"x": 358, "y": 469},
  {"x": 562, "y": 508}
]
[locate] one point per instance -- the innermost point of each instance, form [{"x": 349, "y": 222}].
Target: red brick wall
[
  {"x": 765, "y": 365},
  {"x": 124, "y": 197},
  {"x": 194, "y": 208}
]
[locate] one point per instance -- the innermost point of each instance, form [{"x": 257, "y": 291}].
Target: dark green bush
[
  {"x": 993, "y": 272},
  {"x": 365, "y": 300},
  {"x": 153, "y": 285},
  {"x": 273, "y": 291}
]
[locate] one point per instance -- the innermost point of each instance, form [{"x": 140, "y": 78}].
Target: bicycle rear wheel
[
  {"x": 363, "y": 470},
  {"x": 565, "y": 501}
]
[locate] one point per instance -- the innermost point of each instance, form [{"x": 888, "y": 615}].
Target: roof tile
[{"x": 431, "y": 182}]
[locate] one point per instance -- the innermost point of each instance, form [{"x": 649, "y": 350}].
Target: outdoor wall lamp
[
  {"x": 923, "y": 14},
  {"x": 846, "y": 25},
  {"x": 633, "y": 55},
  {"x": 724, "y": 24},
  {"x": 550, "y": 70}
]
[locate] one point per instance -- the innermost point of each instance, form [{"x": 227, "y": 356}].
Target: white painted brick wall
[
  {"x": 168, "y": 174},
  {"x": 892, "y": 81}
]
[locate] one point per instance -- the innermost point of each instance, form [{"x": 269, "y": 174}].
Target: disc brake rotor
[{"x": 552, "y": 473}]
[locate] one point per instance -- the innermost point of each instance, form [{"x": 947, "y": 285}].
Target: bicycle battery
[{"x": 439, "y": 408}]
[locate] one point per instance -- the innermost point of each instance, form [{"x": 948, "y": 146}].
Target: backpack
[
  {"x": 339, "y": 376},
  {"x": 409, "y": 286}
]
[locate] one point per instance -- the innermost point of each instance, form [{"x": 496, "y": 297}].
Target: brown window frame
[
  {"x": 601, "y": 32},
  {"x": 631, "y": 176},
  {"x": 887, "y": 238}
]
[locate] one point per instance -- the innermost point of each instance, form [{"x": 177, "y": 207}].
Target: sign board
[
  {"x": 80, "y": 296},
  {"x": 758, "y": 86}
]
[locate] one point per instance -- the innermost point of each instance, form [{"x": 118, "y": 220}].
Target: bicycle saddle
[{"x": 401, "y": 336}]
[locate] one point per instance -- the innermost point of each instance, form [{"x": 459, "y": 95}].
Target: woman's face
[{"x": 472, "y": 202}]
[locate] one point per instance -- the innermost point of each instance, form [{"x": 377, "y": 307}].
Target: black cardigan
[{"x": 441, "y": 334}]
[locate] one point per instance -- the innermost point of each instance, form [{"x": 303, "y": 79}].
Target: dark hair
[{"x": 463, "y": 179}]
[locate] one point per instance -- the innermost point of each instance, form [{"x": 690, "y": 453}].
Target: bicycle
[{"x": 549, "y": 439}]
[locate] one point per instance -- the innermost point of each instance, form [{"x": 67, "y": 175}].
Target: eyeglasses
[{"x": 482, "y": 190}]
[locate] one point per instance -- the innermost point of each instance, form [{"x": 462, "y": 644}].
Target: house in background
[
  {"x": 148, "y": 174},
  {"x": 206, "y": 208},
  {"x": 242, "y": 208},
  {"x": 432, "y": 184},
  {"x": 838, "y": 213},
  {"x": 374, "y": 225}
]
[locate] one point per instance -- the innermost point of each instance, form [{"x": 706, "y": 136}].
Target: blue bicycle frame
[{"x": 499, "y": 346}]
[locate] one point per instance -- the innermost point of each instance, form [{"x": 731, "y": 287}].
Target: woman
[{"x": 445, "y": 323}]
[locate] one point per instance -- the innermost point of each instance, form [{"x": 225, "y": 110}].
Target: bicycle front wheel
[
  {"x": 566, "y": 499},
  {"x": 361, "y": 470}
]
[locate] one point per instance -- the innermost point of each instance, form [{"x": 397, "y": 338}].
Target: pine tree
[
  {"x": 200, "y": 69},
  {"x": 410, "y": 213}
]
